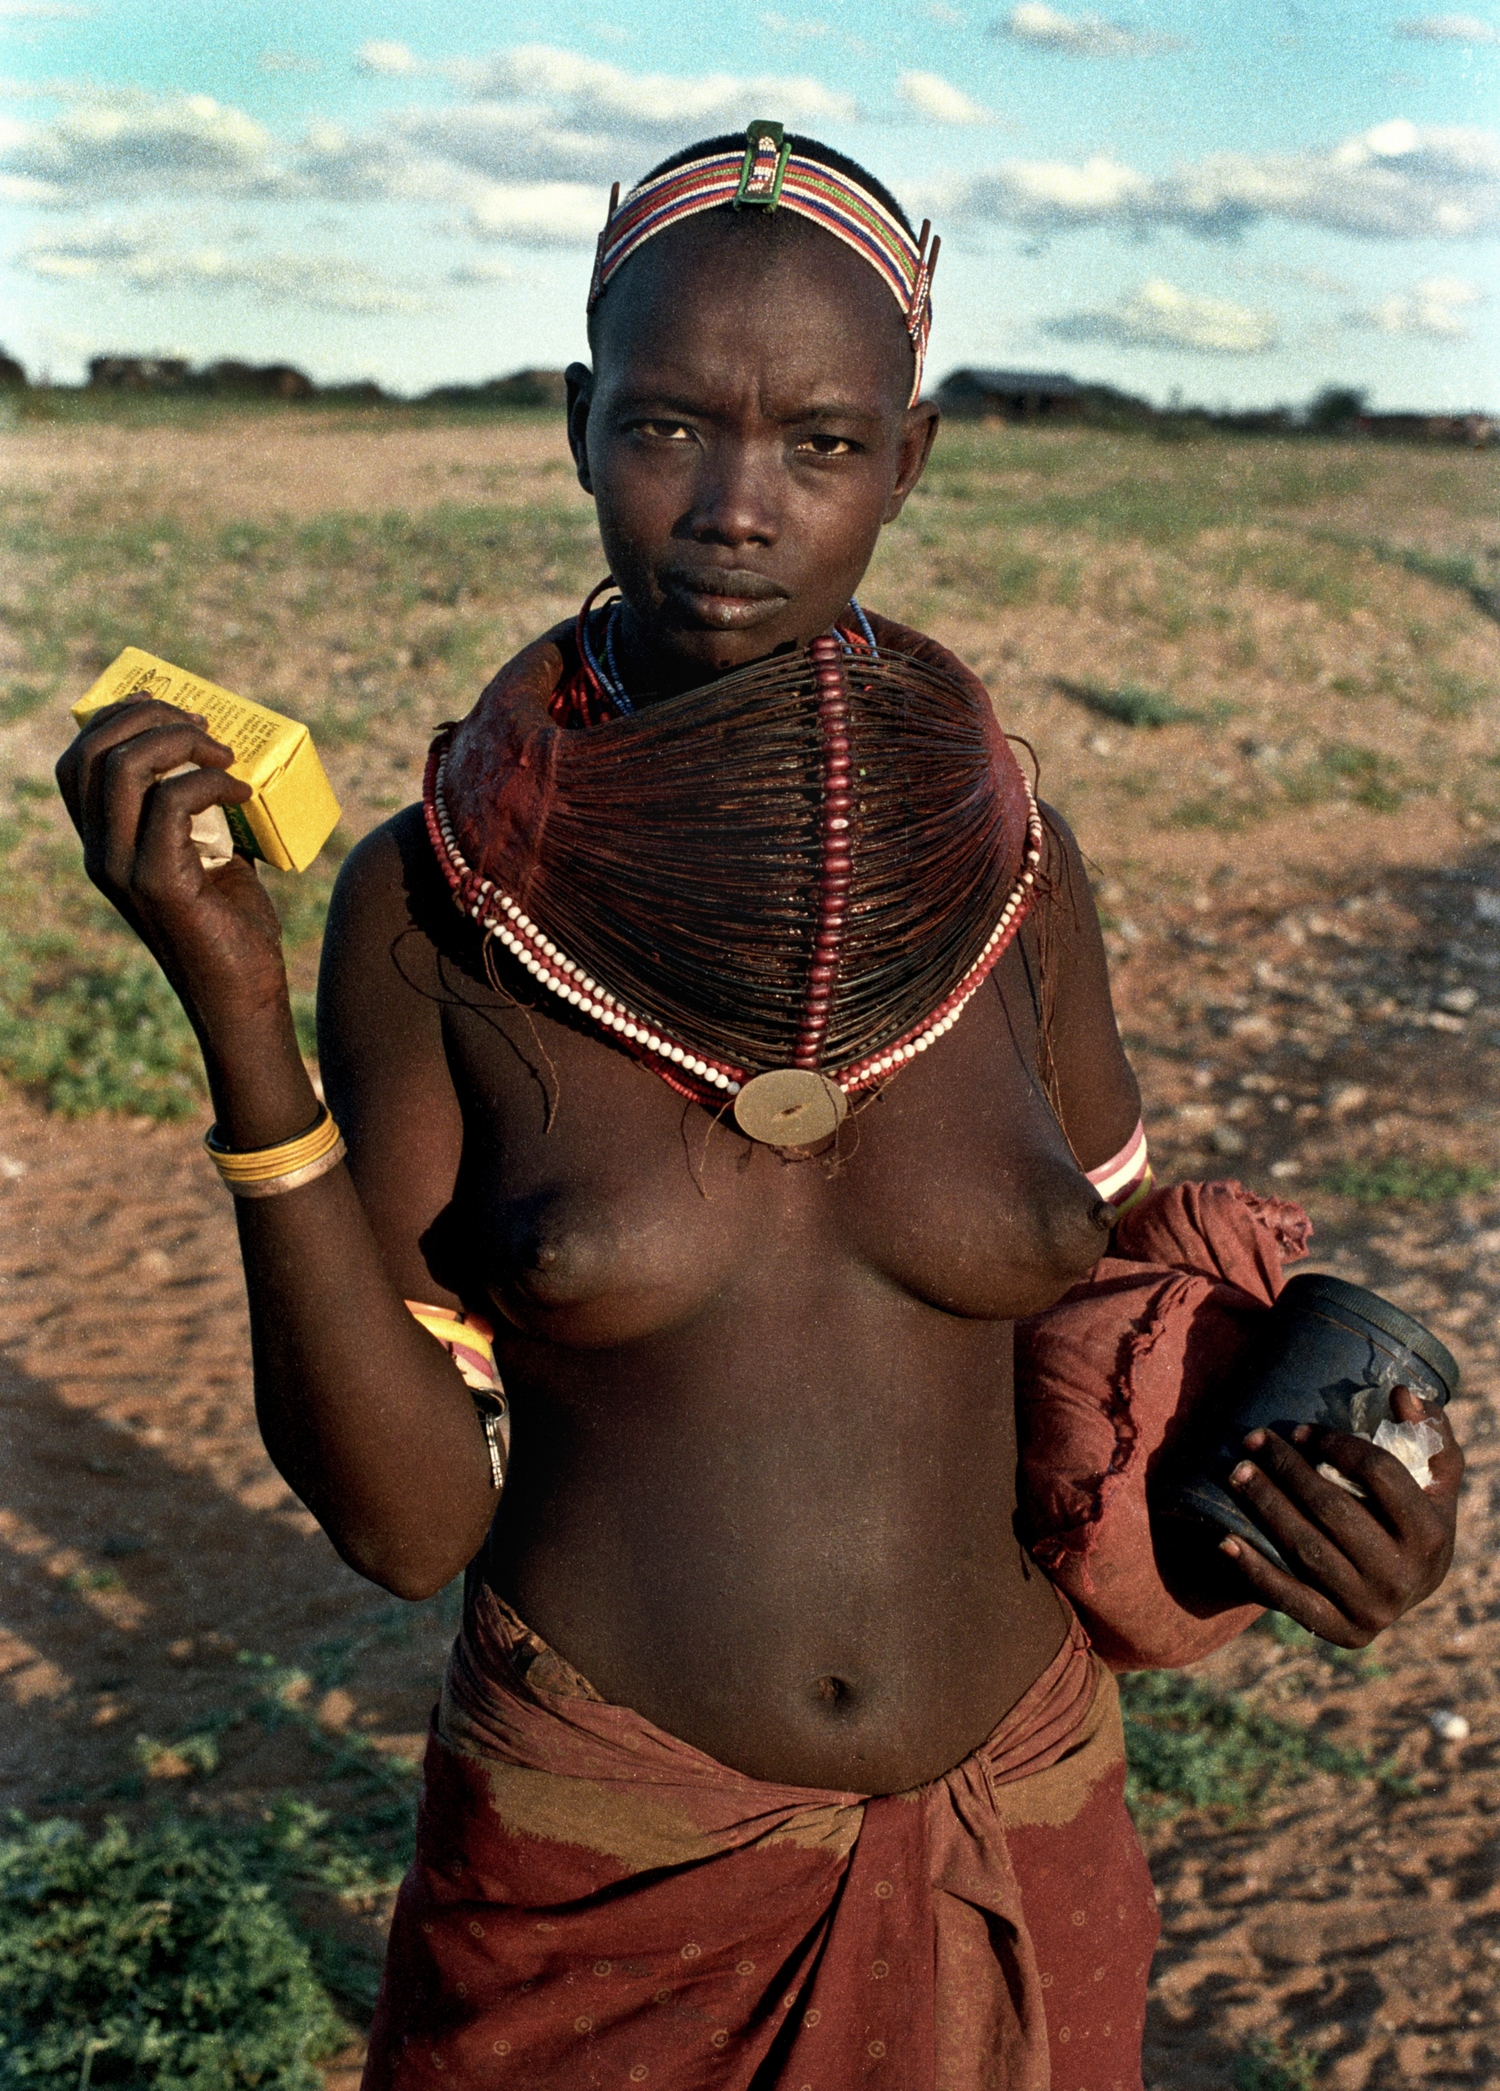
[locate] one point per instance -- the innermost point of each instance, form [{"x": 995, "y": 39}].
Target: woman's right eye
[{"x": 665, "y": 431}]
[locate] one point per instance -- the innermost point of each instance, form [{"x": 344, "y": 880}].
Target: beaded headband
[{"x": 770, "y": 175}]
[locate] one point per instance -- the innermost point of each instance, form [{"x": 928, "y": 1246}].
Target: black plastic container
[{"x": 1327, "y": 1352}]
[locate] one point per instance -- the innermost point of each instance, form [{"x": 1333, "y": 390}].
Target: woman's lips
[{"x": 724, "y": 598}]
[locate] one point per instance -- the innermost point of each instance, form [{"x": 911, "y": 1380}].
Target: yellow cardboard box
[{"x": 294, "y": 811}]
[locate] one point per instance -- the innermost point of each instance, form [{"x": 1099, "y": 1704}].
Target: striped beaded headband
[
  {"x": 770, "y": 175},
  {"x": 704, "y": 1071}
]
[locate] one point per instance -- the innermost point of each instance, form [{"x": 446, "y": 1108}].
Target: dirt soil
[{"x": 1286, "y": 1024}]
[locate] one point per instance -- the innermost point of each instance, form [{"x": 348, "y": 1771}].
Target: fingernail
[
  {"x": 1301, "y": 1434},
  {"x": 1241, "y": 1473},
  {"x": 1255, "y": 1439},
  {"x": 1231, "y": 1547}
]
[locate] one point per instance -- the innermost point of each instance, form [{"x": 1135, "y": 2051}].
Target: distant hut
[
  {"x": 1477, "y": 431},
  {"x": 137, "y": 373},
  {"x": 257, "y": 380},
  {"x": 12, "y": 374},
  {"x": 1011, "y": 395},
  {"x": 523, "y": 388}
]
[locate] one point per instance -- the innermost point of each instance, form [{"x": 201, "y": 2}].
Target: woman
[{"x": 766, "y": 1753}]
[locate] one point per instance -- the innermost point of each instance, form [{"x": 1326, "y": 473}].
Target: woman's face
[{"x": 745, "y": 434}]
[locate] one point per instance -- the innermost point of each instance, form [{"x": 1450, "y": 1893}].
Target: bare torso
[{"x": 763, "y": 1476}]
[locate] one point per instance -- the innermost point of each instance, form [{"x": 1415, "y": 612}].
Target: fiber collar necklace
[{"x": 775, "y": 891}]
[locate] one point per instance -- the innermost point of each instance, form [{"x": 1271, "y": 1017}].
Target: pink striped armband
[
  {"x": 470, "y": 1343},
  {"x": 1125, "y": 1179}
]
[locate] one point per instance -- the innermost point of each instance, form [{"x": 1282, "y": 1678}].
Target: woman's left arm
[
  {"x": 1092, "y": 1085},
  {"x": 1361, "y": 1563}
]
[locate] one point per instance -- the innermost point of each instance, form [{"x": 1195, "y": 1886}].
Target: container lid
[{"x": 1369, "y": 1306}]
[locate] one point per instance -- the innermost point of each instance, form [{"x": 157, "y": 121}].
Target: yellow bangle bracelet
[{"x": 265, "y": 1172}]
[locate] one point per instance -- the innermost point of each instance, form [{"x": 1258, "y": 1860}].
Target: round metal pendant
[{"x": 790, "y": 1107}]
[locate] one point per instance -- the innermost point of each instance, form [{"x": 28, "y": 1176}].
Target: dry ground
[{"x": 1301, "y": 879}]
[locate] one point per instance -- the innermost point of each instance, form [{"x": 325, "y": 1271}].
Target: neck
[{"x": 651, "y": 671}]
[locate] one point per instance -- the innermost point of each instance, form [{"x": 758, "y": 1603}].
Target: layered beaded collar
[{"x": 775, "y": 892}]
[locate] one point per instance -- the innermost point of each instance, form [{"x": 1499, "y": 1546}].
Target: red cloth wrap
[
  {"x": 595, "y": 1903},
  {"x": 1105, "y": 1382}
]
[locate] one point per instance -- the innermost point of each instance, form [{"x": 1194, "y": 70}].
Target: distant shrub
[
  {"x": 152, "y": 1960},
  {"x": 1130, "y": 705}
]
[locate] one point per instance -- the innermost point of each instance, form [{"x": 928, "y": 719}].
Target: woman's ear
[
  {"x": 917, "y": 438},
  {"x": 580, "y": 393}
]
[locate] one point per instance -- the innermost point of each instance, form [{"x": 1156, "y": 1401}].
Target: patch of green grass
[
  {"x": 1227, "y": 814},
  {"x": 1286, "y": 1633},
  {"x": 95, "y": 1032},
  {"x": 1189, "y": 1745},
  {"x": 1342, "y": 770},
  {"x": 157, "y": 1960},
  {"x": 1129, "y": 705},
  {"x": 1372, "y": 1183},
  {"x": 1276, "y": 2065}
]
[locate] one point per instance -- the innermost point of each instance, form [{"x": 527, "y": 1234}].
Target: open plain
[{"x": 1262, "y": 680}]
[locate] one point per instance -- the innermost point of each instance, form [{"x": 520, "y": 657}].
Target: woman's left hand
[{"x": 1360, "y": 1564}]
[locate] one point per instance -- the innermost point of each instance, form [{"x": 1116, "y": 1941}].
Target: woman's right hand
[{"x": 214, "y": 933}]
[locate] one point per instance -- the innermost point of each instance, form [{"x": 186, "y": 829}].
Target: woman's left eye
[
  {"x": 827, "y": 446},
  {"x": 669, "y": 431}
]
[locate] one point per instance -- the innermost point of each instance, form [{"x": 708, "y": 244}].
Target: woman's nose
[{"x": 735, "y": 501}]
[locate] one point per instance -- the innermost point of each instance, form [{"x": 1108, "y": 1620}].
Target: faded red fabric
[
  {"x": 595, "y": 1903},
  {"x": 1106, "y": 1381}
]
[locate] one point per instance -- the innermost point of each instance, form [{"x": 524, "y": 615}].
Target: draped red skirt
[{"x": 595, "y": 1903}]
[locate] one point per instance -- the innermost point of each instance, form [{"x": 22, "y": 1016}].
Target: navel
[{"x": 833, "y": 1695}]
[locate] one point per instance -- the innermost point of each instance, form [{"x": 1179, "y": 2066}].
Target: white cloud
[
  {"x": 1435, "y": 308},
  {"x": 483, "y": 270},
  {"x": 1395, "y": 181},
  {"x": 538, "y": 214},
  {"x": 150, "y": 259},
  {"x": 119, "y": 142},
  {"x": 937, "y": 99},
  {"x": 591, "y": 95},
  {"x": 1159, "y": 315},
  {"x": 380, "y": 56},
  {"x": 1080, "y": 36},
  {"x": 43, "y": 11},
  {"x": 940, "y": 11},
  {"x": 1448, "y": 29}
]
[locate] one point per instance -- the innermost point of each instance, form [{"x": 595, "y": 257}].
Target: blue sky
[{"x": 1241, "y": 201}]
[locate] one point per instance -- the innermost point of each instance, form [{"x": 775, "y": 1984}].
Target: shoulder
[{"x": 392, "y": 918}]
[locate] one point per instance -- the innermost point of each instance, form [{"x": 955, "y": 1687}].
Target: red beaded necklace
[{"x": 775, "y": 891}]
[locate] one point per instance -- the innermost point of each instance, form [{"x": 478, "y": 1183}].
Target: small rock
[
  {"x": 1461, "y": 1000},
  {"x": 1440, "y": 1020},
  {"x": 1099, "y": 744},
  {"x": 1196, "y": 1114},
  {"x": 1448, "y": 1726},
  {"x": 335, "y": 1709},
  {"x": 1340, "y": 1098},
  {"x": 1285, "y": 1171},
  {"x": 1487, "y": 905},
  {"x": 10, "y": 1168},
  {"x": 1229, "y": 1140}
]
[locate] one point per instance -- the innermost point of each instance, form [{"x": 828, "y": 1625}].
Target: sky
[{"x": 1237, "y": 201}]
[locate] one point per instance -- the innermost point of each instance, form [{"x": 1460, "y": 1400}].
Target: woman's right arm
[{"x": 361, "y": 1410}]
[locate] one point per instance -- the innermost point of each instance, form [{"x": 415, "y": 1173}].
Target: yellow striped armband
[{"x": 470, "y": 1343}]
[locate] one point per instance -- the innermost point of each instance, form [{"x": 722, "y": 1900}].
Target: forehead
[{"x": 769, "y": 288}]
